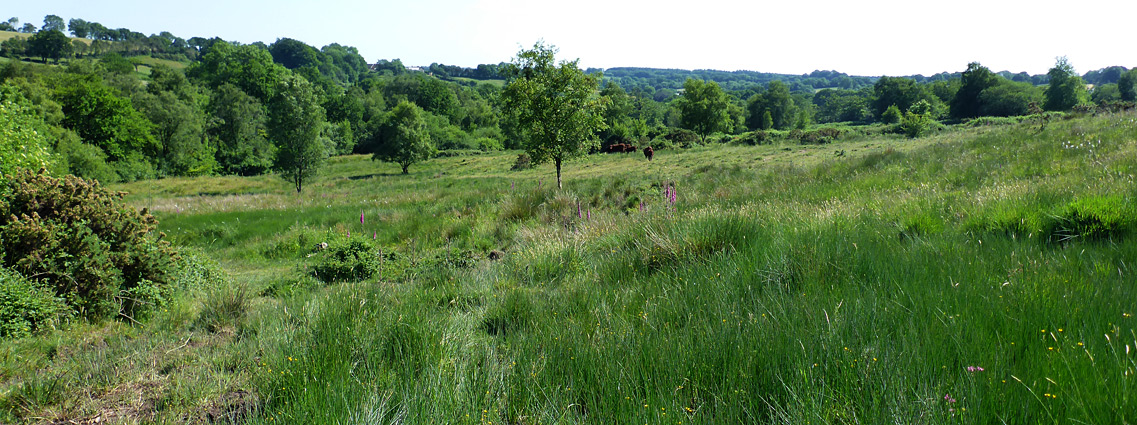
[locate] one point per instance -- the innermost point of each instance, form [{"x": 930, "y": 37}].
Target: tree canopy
[
  {"x": 703, "y": 108},
  {"x": 409, "y": 141},
  {"x": 556, "y": 106}
]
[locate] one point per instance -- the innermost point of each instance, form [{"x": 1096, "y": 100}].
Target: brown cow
[{"x": 649, "y": 152}]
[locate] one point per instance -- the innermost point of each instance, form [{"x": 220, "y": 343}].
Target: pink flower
[
  {"x": 974, "y": 369},
  {"x": 360, "y": 216},
  {"x": 374, "y": 235}
]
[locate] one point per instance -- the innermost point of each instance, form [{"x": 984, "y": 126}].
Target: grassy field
[{"x": 982, "y": 275}]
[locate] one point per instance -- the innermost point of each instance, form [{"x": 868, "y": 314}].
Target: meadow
[{"x": 979, "y": 275}]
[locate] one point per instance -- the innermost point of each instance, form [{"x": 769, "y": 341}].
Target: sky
[{"x": 870, "y": 37}]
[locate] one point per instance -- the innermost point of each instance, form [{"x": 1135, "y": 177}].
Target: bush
[
  {"x": 891, "y": 115},
  {"x": 76, "y": 236},
  {"x": 85, "y": 160},
  {"x": 489, "y": 144},
  {"x": 350, "y": 260},
  {"x": 523, "y": 162},
  {"x": 26, "y": 307},
  {"x": 756, "y": 137}
]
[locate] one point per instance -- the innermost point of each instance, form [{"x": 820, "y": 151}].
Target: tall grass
[{"x": 979, "y": 276}]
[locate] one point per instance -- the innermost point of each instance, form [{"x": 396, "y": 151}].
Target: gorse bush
[{"x": 100, "y": 256}]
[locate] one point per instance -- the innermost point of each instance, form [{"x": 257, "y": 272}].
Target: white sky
[{"x": 869, "y": 37}]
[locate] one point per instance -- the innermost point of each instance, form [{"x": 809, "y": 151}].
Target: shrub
[
  {"x": 523, "y": 162},
  {"x": 756, "y": 137},
  {"x": 489, "y": 144},
  {"x": 77, "y": 237},
  {"x": 891, "y": 115},
  {"x": 26, "y": 306},
  {"x": 354, "y": 259}
]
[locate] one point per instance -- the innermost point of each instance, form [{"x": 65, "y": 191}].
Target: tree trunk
[
  {"x": 558, "y": 162},
  {"x": 405, "y": 167}
]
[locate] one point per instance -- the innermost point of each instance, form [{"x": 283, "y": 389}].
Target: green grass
[{"x": 785, "y": 284}]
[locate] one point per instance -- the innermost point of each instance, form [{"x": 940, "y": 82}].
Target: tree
[
  {"x": 555, "y": 106},
  {"x": 79, "y": 28},
  {"x": 409, "y": 141},
  {"x": 294, "y": 54},
  {"x": 239, "y": 127},
  {"x": 104, "y": 119},
  {"x": 28, "y": 28},
  {"x": 295, "y": 120},
  {"x": 53, "y": 23},
  {"x": 248, "y": 67},
  {"x": 179, "y": 128},
  {"x": 1066, "y": 88},
  {"x": 976, "y": 79},
  {"x": 1126, "y": 86},
  {"x": 777, "y": 102},
  {"x": 50, "y": 44},
  {"x": 704, "y": 108}
]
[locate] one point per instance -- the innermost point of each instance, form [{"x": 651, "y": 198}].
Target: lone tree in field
[
  {"x": 409, "y": 142},
  {"x": 294, "y": 122},
  {"x": 557, "y": 107},
  {"x": 704, "y": 108}
]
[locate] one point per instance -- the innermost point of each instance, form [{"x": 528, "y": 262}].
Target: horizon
[{"x": 493, "y": 31}]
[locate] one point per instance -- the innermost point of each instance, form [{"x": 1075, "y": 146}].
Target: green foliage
[
  {"x": 1066, "y": 88},
  {"x": 240, "y": 129},
  {"x": 1127, "y": 86},
  {"x": 50, "y": 44},
  {"x": 116, "y": 64},
  {"x": 967, "y": 102},
  {"x": 348, "y": 260},
  {"x": 703, "y": 108},
  {"x": 772, "y": 109},
  {"x": 248, "y": 67},
  {"x": 914, "y": 125},
  {"x": 22, "y": 140},
  {"x": 83, "y": 159},
  {"x": 557, "y": 106},
  {"x": 104, "y": 119},
  {"x": 180, "y": 129},
  {"x": 295, "y": 120},
  {"x": 891, "y": 115},
  {"x": 523, "y": 162},
  {"x": 1008, "y": 98},
  {"x": 77, "y": 237},
  {"x": 27, "y": 307},
  {"x": 409, "y": 142}
]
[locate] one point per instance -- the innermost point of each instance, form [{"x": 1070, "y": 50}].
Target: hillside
[{"x": 982, "y": 274}]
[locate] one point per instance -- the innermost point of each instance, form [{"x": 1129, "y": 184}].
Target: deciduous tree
[
  {"x": 409, "y": 141},
  {"x": 704, "y": 108},
  {"x": 295, "y": 120},
  {"x": 967, "y": 100},
  {"x": 1066, "y": 88},
  {"x": 556, "y": 107}
]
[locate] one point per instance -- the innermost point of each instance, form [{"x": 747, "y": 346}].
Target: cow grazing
[{"x": 649, "y": 152}]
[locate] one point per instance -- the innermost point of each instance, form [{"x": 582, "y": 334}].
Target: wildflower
[
  {"x": 949, "y": 398},
  {"x": 374, "y": 235},
  {"x": 590, "y": 214},
  {"x": 360, "y": 216},
  {"x": 974, "y": 369}
]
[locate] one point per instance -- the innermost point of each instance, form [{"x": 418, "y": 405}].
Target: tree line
[{"x": 250, "y": 109}]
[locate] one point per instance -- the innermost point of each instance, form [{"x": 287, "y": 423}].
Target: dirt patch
[{"x": 235, "y": 407}]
